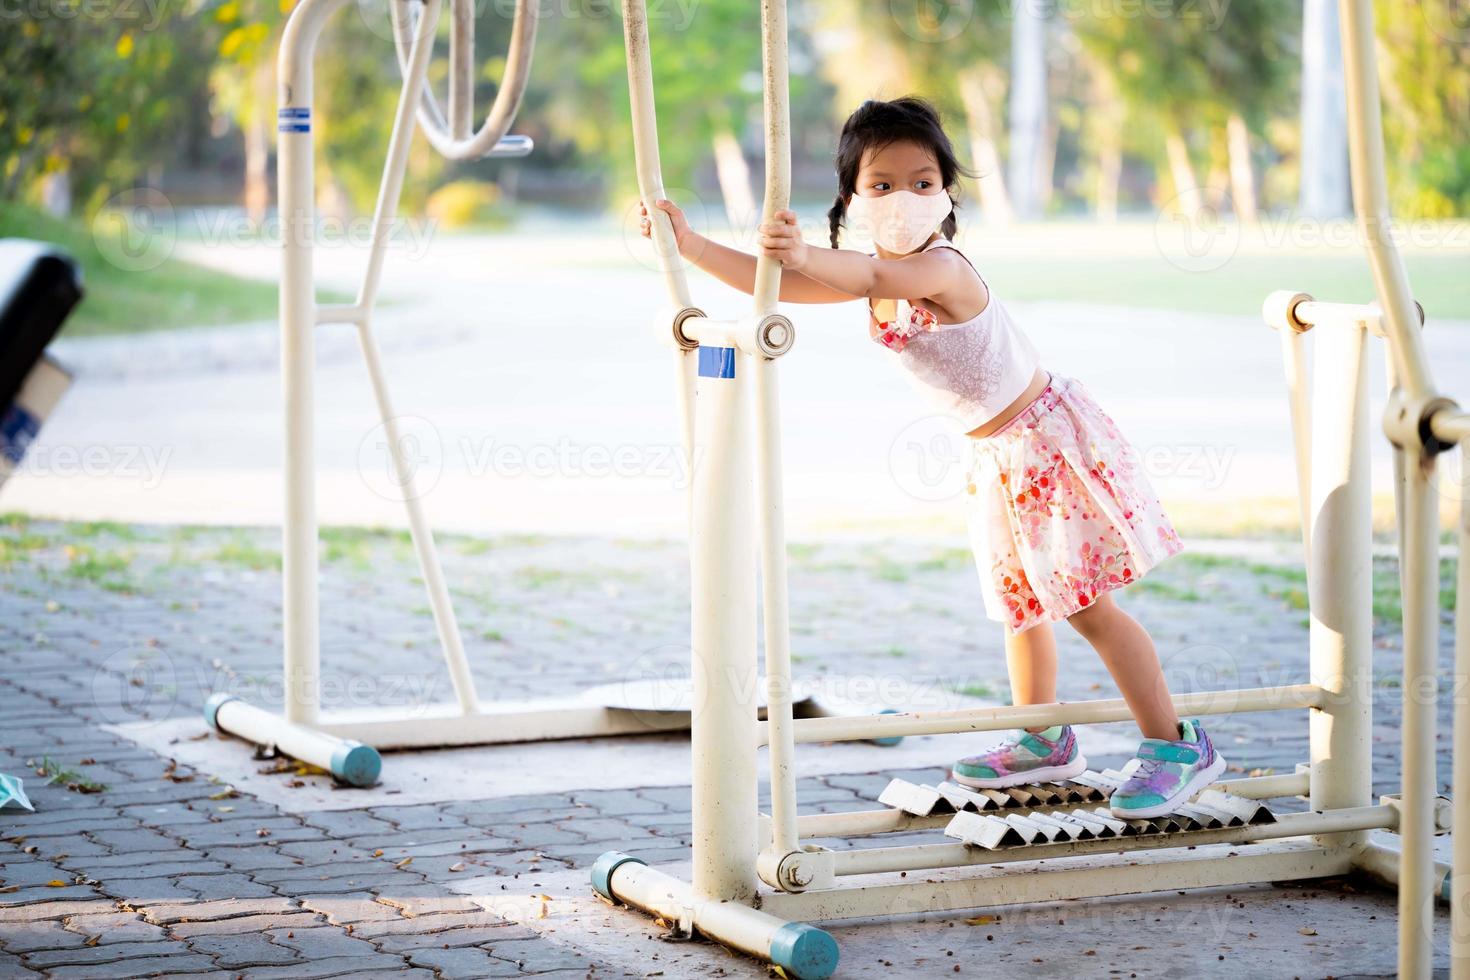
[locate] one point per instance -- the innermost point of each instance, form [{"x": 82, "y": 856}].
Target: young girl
[{"x": 1061, "y": 513}]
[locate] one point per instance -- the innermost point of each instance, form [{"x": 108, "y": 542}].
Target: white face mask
[{"x": 900, "y": 221}]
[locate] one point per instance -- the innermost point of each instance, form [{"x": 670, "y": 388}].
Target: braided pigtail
[
  {"x": 950, "y": 225},
  {"x": 834, "y": 217}
]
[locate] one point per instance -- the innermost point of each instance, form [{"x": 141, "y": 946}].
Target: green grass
[
  {"x": 106, "y": 570},
  {"x": 1238, "y": 287},
  {"x": 118, "y": 300},
  {"x": 241, "y": 552}
]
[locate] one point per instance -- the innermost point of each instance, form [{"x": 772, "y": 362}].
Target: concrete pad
[
  {"x": 1302, "y": 930},
  {"x": 492, "y": 771}
]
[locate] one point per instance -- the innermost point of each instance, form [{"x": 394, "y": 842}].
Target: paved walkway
[{"x": 135, "y": 864}]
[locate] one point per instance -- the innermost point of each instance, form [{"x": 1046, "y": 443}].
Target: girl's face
[{"x": 904, "y": 166}]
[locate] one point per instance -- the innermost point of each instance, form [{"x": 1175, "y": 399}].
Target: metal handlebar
[{"x": 451, "y": 135}]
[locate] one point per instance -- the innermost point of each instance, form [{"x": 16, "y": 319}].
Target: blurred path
[{"x": 539, "y": 398}]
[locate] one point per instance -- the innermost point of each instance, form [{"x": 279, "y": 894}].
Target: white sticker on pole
[{"x": 294, "y": 119}]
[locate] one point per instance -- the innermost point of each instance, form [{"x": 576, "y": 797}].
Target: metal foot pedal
[
  {"x": 1213, "y": 810},
  {"x": 920, "y": 800}
]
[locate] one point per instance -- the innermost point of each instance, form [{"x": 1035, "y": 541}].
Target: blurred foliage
[
  {"x": 465, "y": 203},
  {"x": 1424, "y": 69},
  {"x": 94, "y": 93},
  {"x": 111, "y": 100}
]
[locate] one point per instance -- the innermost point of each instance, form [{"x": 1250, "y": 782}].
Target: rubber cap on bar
[
  {"x": 603, "y": 868},
  {"x": 804, "y": 951},
  {"x": 887, "y": 740},
  {"x": 211, "y": 708},
  {"x": 356, "y": 764}
]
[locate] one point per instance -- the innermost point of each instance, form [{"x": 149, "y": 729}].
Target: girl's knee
[{"x": 1096, "y": 616}]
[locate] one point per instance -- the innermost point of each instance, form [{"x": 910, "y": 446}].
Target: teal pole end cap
[
  {"x": 356, "y": 764},
  {"x": 804, "y": 951},
  {"x": 603, "y": 868},
  {"x": 211, "y": 708},
  {"x": 890, "y": 739}
]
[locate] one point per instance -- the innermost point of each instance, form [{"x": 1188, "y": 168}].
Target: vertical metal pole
[
  {"x": 1420, "y": 557},
  {"x": 461, "y": 67},
  {"x": 722, "y": 557},
  {"x": 1299, "y": 393},
  {"x": 650, "y": 189},
  {"x": 295, "y": 192},
  {"x": 1460, "y": 877},
  {"x": 1370, "y": 196},
  {"x": 1340, "y": 579},
  {"x": 1419, "y": 544},
  {"x": 767, "y": 292}
]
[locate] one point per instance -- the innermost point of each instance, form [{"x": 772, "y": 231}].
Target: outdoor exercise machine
[
  {"x": 757, "y": 881},
  {"x": 347, "y": 743}
]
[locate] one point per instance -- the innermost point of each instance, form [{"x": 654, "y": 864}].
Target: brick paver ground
[{"x": 134, "y": 865}]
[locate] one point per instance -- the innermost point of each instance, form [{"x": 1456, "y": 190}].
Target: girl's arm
[
  {"x": 911, "y": 277},
  {"x": 736, "y": 268}
]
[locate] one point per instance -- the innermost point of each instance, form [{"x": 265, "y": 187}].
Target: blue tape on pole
[
  {"x": 717, "y": 362},
  {"x": 294, "y": 119},
  {"x": 18, "y": 428}
]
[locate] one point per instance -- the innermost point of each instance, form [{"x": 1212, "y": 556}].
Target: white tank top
[{"x": 969, "y": 371}]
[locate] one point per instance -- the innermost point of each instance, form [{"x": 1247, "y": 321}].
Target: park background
[{"x": 1148, "y": 171}]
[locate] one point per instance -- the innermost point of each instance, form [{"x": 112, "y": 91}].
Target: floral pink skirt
[{"x": 1061, "y": 510}]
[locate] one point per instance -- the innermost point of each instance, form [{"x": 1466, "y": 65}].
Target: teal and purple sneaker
[
  {"x": 1023, "y": 757},
  {"x": 1166, "y": 774}
]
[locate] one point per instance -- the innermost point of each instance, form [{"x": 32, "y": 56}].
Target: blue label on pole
[
  {"x": 294, "y": 119},
  {"x": 717, "y": 362},
  {"x": 18, "y": 428}
]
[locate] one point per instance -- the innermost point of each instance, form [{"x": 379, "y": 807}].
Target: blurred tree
[
  {"x": 1192, "y": 76},
  {"x": 1028, "y": 108},
  {"x": 706, "y": 67},
  {"x": 956, "y": 55},
  {"x": 80, "y": 110},
  {"x": 243, "y": 83},
  {"x": 1424, "y": 70},
  {"x": 1325, "y": 191}
]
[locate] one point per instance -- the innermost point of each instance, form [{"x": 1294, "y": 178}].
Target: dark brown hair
[{"x": 878, "y": 124}]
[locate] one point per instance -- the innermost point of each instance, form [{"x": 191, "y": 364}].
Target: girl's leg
[
  {"x": 1128, "y": 653},
  {"x": 1031, "y": 661}
]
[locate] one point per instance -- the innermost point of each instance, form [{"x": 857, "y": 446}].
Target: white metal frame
[
  {"x": 755, "y": 880},
  {"x": 346, "y": 743}
]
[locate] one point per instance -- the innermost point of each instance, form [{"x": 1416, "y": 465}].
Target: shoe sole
[
  {"x": 1201, "y": 779},
  {"x": 1050, "y": 774}
]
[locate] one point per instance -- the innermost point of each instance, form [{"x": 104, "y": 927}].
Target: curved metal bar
[{"x": 445, "y": 133}]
